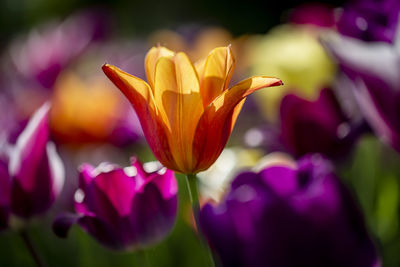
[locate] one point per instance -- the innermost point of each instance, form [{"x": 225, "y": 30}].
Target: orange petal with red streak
[
  {"x": 218, "y": 120},
  {"x": 141, "y": 97}
]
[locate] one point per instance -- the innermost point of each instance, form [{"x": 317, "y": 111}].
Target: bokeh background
[{"x": 54, "y": 50}]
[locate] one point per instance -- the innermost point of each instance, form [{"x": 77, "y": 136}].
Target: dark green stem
[
  {"x": 32, "y": 249},
  {"x": 191, "y": 181}
]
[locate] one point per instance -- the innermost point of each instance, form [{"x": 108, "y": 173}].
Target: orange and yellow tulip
[{"x": 187, "y": 111}]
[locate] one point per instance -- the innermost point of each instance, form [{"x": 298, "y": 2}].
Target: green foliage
[{"x": 374, "y": 174}]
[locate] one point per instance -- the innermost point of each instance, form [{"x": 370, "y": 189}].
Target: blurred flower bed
[{"x": 307, "y": 175}]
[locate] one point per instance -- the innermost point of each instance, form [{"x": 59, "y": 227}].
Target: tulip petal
[
  {"x": 120, "y": 214},
  {"x": 136, "y": 90},
  {"x": 166, "y": 91},
  {"x": 141, "y": 97},
  {"x": 36, "y": 200},
  {"x": 381, "y": 108},
  {"x": 287, "y": 182},
  {"x": 109, "y": 200},
  {"x": 138, "y": 172},
  {"x": 30, "y": 149},
  {"x": 104, "y": 233},
  {"x": 199, "y": 66},
  {"x": 163, "y": 178},
  {"x": 152, "y": 57},
  {"x": 152, "y": 214},
  {"x": 375, "y": 59},
  {"x": 165, "y": 181},
  {"x": 219, "y": 228},
  {"x": 179, "y": 101},
  {"x": 217, "y": 122},
  {"x": 113, "y": 189},
  {"x": 85, "y": 176},
  {"x": 56, "y": 166},
  {"x": 36, "y": 169},
  {"x": 216, "y": 73}
]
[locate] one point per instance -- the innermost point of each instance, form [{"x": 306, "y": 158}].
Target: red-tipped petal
[
  {"x": 141, "y": 97},
  {"x": 218, "y": 120}
]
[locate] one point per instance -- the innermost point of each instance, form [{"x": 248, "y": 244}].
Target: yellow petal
[
  {"x": 199, "y": 66},
  {"x": 234, "y": 95},
  {"x": 190, "y": 106},
  {"x": 217, "y": 72},
  {"x": 151, "y": 60},
  {"x": 177, "y": 95},
  {"x": 165, "y": 89}
]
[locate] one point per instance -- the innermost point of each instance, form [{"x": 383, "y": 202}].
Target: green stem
[
  {"x": 191, "y": 181},
  {"x": 32, "y": 249}
]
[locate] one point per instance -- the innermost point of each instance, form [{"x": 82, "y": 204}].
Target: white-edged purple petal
[
  {"x": 126, "y": 208},
  {"x": 373, "y": 70},
  {"x": 30, "y": 148},
  {"x": 57, "y": 171},
  {"x": 379, "y": 59},
  {"x": 36, "y": 170}
]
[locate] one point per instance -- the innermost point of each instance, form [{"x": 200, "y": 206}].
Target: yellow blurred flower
[{"x": 293, "y": 54}]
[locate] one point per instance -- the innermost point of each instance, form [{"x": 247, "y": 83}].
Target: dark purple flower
[
  {"x": 372, "y": 73},
  {"x": 289, "y": 216},
  {"x": 123, "y": 208},
  {"x": 314, "y": 126},
  {"x": 369, "y": 20},
  {"x": 316, "y": 14}
]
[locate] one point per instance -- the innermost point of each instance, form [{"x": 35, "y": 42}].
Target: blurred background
[{"x": 54, "y": 50}]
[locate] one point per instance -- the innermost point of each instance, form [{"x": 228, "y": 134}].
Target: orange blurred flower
[
  {"x": 187, "y": 111},
  {"x": 89, "y": 110}
]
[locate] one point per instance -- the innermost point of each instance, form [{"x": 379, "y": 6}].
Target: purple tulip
[
  {"x": 123, "y": 208},
  {"x": 289, "y": 216},
  {"x": 369, "y": 20},
  {"x": 31, "y": 172},
  {"x": 315, "y": 126},
  {"x": 372, "y": 73},
  {"x": 45, "y": 52},
  {"x": 36, "y": 171}
]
